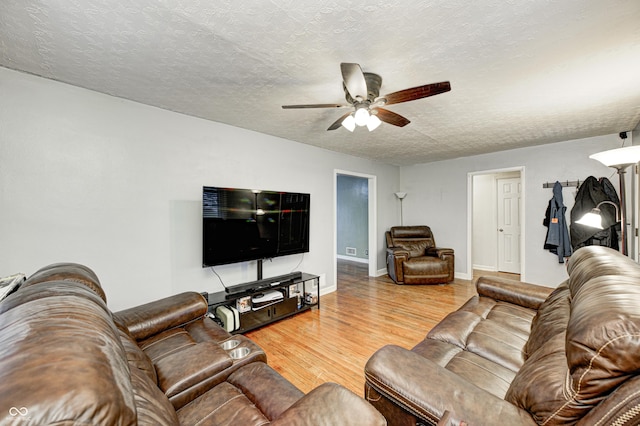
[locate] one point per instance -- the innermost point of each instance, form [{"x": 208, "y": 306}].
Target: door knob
[{"x": 501, "y": 230}]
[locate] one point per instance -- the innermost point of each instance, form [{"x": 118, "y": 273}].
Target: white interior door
[{"x": 509, "y": 190}]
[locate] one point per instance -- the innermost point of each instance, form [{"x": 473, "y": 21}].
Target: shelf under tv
[
  {"x": 262, "y": 284},
  {"x": 302, "y": 297}
]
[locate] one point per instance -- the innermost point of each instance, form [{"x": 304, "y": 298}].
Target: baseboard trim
[
  {"x": 463, "y": 276},
  {"x": 352, "y": 258},
  {"x": 327, "y": 290},
  {"x": 381, "y": 272},
  {"x": 485, "y": 268}
]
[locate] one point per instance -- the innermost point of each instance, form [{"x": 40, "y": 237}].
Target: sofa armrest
[
  {"x": 428, "y": 390},
  {"x": 331, "y": 404},
  {"x": 440, "y": 252},
  {"x": 398, "y": 252},
  {"x": 151, "y": 318},
  {"x": 395, "y": 258},
  {"x": 511, "y": 291}
]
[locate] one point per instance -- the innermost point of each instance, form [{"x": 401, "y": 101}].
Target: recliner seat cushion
[{"x": 425, "y": 265}]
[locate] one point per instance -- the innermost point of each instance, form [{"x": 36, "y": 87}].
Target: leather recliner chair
[{"x": 413, "y": 258}]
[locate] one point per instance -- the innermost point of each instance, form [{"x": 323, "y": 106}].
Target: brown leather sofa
[
  {"x": 521, "y": 354},
  {"x": 65, "y": 358},
  {"x": 413, "y": 258}
]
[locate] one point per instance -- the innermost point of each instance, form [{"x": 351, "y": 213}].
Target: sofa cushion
[
  {"x": 268, "y": 390},
  {"x": 485, "y": 374},
  {"x": 136, "y": 356},
  {"x": 223, "y": 405},
  {"x": 481, "y": 342},
  {"x": 550, "y": 320},
  {"x": 538, "y": 386},
  {"x": 331, "y": 395},
  {"x": 255, "y": 394},
  {"x": 152, "y": 406},
  {"x": 425, "y": 266},
  {"x": 72, "y": 272},
  {"x": 63, "y": 334},
  {"x": 415, "y": 248},
  {"x": 488, "y": 328},
  {"x": 570, "y": 374},
  {"x": 596, "y": 262}
]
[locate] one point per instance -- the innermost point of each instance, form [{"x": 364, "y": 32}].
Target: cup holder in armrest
[
  {"x": 238, "y": 353},
  {"x": 229, "y": 344}
]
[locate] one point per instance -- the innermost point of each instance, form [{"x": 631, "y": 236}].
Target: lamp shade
[
  {"x": 620, "y": 157},
  {"x": 591, "y": 219},
  {"x": 401, "y": 195}
]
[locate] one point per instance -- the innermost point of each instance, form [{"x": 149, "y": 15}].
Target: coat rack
[{"x": 566, "y": 183}]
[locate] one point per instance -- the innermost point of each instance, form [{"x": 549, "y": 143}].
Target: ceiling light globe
[
  {"x": 349, "y": 123},
  {"x": 362, "y": 117},
  {"x": 373, "y": 122}
]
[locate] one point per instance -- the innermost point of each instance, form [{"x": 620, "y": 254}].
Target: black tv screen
[{"x": 244, "y": 224}]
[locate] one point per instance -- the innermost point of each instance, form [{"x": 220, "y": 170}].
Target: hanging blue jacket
[{"x": 557, "y": 240}]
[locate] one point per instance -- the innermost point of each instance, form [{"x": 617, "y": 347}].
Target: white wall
[
  {"x": 437, "y": 196},
  {"x": 117, "y": 185}
]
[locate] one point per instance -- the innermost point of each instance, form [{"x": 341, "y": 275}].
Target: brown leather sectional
[
  {"x": 65, "y": 358},
  {"x": 521, "y": 354}
]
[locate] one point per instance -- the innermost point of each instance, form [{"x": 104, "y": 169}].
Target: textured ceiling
[{"x": 522, "y": 72}]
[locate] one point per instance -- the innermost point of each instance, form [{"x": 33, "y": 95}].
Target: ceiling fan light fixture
[
  {"x": 362, "y": 92},
  {"x": 349, "y": 123},
  {"x": 373, "y": 122},
  {"x": 361, "y": 116}
]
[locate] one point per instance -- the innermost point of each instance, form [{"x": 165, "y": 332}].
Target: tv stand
[
  {"x": 300, "y": 292},
  {"x": 261, "y": 284}
]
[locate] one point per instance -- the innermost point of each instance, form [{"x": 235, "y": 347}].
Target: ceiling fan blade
[
  {"x": 417, "y": 93},
  {"x": 391, "y": 117},
  {"x": 314, "y": 106},
  {"x": 354, "y": 80},
  {"x": 338, "y": 122}
]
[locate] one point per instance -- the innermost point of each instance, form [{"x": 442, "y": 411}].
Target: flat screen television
[{"x": 243, "y": 224}]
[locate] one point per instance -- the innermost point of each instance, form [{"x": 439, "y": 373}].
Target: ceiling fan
[{"x": 362, "y": 91}]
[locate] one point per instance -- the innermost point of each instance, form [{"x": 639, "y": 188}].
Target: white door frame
[
  {"x": 470, "y": 175},
  {"x": 372, "y": 207}
]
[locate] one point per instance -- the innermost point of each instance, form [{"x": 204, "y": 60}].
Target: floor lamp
[
  {"x": 400, "y": 196},
  {"x": 619, "y": 159}
]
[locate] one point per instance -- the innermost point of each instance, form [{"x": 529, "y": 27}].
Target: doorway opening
[
  {"x": 496, "y": 226},
  {"x": 355, "y": 222}
]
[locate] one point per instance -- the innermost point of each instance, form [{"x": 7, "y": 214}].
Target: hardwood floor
[{"x": 333, "y": 343}]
